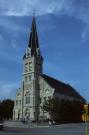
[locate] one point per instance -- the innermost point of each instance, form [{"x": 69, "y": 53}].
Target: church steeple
[
  {"x": 33, "y": 41},
  {"x": 33, "y": 53},
  {"x": 33, "y": 44},
  {"x": 32, "y": 70}
]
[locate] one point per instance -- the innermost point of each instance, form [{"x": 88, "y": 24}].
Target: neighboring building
[
  {"x": 36, "y": 86},
  {"x": 85, "y": 115}
]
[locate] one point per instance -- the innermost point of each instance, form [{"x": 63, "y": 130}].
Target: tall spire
[{"x": 33, "y": 41}]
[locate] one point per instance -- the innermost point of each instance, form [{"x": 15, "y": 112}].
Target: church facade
[{"x": 37, "y": 87}]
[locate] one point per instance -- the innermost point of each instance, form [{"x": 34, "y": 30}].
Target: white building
[{"x": 36, "y": 86}]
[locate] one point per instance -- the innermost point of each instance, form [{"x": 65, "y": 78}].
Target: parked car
[{"x": 1, "y": 123}]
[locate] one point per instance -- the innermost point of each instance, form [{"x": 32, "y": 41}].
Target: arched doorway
[
  {"x": 18, "y": 114},
  {"x": 27, "y": 114}
]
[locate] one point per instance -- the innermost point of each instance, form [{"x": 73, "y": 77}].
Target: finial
[{"x": 34, "y": 12}]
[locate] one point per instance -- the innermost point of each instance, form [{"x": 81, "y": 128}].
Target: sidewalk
[{"x": 20, "y": 124}]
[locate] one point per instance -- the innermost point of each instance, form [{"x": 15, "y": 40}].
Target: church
[{"x": 36, "y": 87}]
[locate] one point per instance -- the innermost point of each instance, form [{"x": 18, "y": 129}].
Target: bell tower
[{"x": 32, "y": 69}]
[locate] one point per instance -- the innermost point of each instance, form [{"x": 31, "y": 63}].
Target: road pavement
[{"x": 66, "y": 129}]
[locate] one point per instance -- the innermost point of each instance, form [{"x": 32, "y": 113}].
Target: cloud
[
  {"x": 8, "y": 90},
  {"x": 85, "y": 33},
  {"x": 1, "y": 37},
  {"x": 10, "y": 23},
  {"x": 6, "y": 57},
  {"x": 76, "y": 8}
]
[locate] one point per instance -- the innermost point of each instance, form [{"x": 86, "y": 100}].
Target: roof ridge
[
  {"x": 62, "y": 87},
  {"x": 55, "y": 79}
]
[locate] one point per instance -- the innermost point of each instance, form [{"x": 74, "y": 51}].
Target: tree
[
  {"x": 53, "y": 106},
  {"x": 1, "y": 111},
  {"x": 64, "y": 111},
  {"x": 6, "y": 108}
]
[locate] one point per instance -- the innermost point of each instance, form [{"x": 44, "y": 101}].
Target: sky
[{"x": 63, "y": 30}]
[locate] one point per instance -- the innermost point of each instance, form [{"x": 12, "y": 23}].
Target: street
[{"x": 66, "y": 129}]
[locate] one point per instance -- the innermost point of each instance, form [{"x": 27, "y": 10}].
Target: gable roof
[{"x": 61, "y": 87}]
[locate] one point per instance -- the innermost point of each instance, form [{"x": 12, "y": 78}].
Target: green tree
[
  {"x": 64, "y": 111},
  {"x": 6, "y": 108},
  {"x": 1, "y": 111}
]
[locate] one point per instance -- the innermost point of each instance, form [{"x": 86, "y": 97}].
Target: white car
[{"x": 1, "y": 125}]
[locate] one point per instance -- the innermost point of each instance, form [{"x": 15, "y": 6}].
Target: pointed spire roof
[{"x": 33, "y": 41}]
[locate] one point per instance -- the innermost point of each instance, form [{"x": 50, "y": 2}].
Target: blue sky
[{"x": 63, "y": 29}]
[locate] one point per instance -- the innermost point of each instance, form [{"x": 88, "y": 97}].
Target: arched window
[
  {"x": 28, "y": 54},
  {"x": 27, "y": 98},
  {"x": 16, "y": 102},
  {"x": 47, "y": 91},
  {"x": 30, "y": 77},
  {"x": 26, "y": 67},
  {"x": 30, "y": 66},
  {"x": 26, "y": 78}
]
